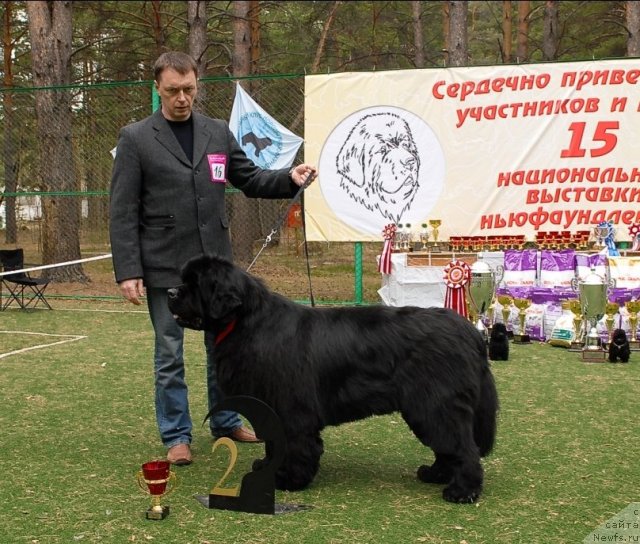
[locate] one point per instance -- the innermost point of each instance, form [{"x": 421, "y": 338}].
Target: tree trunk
[
  {"x": 51, "y": 31},
  {"x": 10, "y": 151},
  {"x": 550, "y": 32},
  {"x": 197, "y": 44},
  {"x": 317, "y": 59},
  {"x": 506, "y": 31},
  {"x": 245, "y": 229},
  {"x": 418, "y": 34},
  {"x": 458, "y": 47},
  {"x": 524, "y": 11},
  {"x": 633, "y": 28},
  {"x": 156, "y": 26}
]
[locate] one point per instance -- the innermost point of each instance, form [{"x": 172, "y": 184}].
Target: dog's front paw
[{"x": 458, "y": 495}]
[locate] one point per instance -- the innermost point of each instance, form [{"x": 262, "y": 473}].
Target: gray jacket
[{"x": 164, "y": 209}]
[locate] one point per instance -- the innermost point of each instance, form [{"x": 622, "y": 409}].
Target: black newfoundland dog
[
  {"x": 619, "y": 347},
  {"x": 499, "y": 343},
  {"x": 326, "y": 366}
]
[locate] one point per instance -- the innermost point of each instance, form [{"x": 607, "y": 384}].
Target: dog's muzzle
[{"x": 195, "y": 323}]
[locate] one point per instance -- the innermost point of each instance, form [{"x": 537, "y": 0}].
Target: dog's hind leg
[
  {"x": 457, "y": 457},
  {"x": 301, "y": 463}
]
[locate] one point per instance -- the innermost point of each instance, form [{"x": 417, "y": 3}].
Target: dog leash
[{"x": 280, "y": 221}]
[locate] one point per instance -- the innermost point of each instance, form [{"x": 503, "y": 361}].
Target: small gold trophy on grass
[
  {"x": 435, "y": 223},
  {"x": 505, "y": 301},
  {"x": 633, "y": 307},
  {"x": 578, "y": 340},
  {"x": 154, "y": 479},
  {"x": 522, "y": 304},
  {"x": 611, "y": 309}
]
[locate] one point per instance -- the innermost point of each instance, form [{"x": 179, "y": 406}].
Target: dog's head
[
  {"x": 210, "y": 293},
  {"x": 379, "y": 165},
  {"x": 498, "y": 331},
  {"x": 619, "y": 337}
]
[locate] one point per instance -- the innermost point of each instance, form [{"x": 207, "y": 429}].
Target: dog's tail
[{"x": 485, "y": 420}]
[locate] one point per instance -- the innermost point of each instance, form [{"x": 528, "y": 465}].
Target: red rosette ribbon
[
  {"x": 456, "y": 275},
  {"x": 634, "y": 232},
  {"x": 389, "y": 234}
]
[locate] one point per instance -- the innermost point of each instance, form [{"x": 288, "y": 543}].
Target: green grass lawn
[{"x": 77, "y": 423}]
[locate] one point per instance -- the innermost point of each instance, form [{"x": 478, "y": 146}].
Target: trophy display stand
[{"x": 256, "y": 493}]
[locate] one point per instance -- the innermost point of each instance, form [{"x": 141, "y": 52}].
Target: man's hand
[
  {"x": 299, "y": 173},
  {"x": 132, "y": 290}
]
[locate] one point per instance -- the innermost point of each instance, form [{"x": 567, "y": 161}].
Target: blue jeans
[{"x": 172, "y": 404}]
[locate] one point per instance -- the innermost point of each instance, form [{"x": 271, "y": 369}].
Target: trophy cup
[
  {"x": 522, "y": 304},
  {"x": 435, "y": 223},
  {"x": 406, "y": 238},
  {"x": 576, "y": 310},
  {"x": 481, "y": 289},
  {"x": 610, "y": 309},
  {"x": 154, "y": 479},
  {"x": 505, "y": 301},
  {"x": 601, "y": 232},
  {"x": 424, "y": 237},
  {"x": 633, "y": 307},
  {"x": 593, "y": 299}
]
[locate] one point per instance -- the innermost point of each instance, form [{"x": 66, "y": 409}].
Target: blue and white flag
[{"x": 265, "y": 141}]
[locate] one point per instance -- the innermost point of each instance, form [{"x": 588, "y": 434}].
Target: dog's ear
[{"x": 222, "y": 303}]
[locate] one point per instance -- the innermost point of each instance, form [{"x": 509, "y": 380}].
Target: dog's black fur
[
  {"x": 499, "y": 343},
  {"x": 326, "y": 366},
  {"x": 619, "y": 347}
]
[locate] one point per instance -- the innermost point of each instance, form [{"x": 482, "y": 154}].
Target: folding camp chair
[{"x": 23, "y": 289}]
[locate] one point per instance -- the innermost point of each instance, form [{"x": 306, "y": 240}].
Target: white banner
[
  {"x": 492, "y": 150},
  {"x": 265, "y": 141}
]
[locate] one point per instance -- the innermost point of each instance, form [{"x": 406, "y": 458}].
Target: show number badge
[{"x": 217, "y": 167}]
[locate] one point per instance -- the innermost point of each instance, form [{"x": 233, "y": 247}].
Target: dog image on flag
[{"x": 379, "y": 164}]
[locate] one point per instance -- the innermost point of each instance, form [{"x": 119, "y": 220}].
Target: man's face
[{"x": 177, "y": 93}]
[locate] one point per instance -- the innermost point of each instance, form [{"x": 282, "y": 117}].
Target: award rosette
[
  {"x": 389, "y": 234},
  {"x": 456, "y": 277},
  {"x": 634, "y": 232}
]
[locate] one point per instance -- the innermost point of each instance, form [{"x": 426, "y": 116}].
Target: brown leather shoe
[
  {"x": 180, "y": 454},
  {"x": 242, "y": 434}
]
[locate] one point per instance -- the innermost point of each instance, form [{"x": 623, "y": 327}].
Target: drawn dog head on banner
[{"x": 378, "y": 164}]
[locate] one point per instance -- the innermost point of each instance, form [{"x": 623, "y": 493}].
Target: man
[{"x": 167, "y": 205}]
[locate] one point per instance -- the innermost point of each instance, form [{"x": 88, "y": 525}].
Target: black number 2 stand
[{"x": 256, "y": 492}]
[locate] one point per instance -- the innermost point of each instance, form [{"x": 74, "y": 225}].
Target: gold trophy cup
[
  {"x": 157, "y": 480},
  {"x": 610, "y": 309},
  {"x": 576, "y": 309},
  {"x": 505, "y": 301},
  {"x": 435, "y": 223},
  {"x": 633, "y": 307},
  {"x": 522, "y": 304}
]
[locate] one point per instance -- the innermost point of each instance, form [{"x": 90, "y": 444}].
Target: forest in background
[{"x": 57, "y": 55}]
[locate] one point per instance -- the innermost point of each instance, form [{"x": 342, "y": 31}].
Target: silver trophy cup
[{"x": 481, "y": 289}]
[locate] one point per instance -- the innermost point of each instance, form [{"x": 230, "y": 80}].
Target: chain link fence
[{"x": 343, "y": 273}]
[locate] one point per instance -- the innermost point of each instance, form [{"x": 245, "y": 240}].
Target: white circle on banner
[{"x": 381, "y": 165}]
